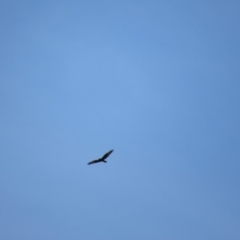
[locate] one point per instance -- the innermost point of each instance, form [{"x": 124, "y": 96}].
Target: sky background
[{"x": 158, "y": 82}]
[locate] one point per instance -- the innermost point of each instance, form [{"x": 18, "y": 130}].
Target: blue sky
[{"x": 158, "y": 82}]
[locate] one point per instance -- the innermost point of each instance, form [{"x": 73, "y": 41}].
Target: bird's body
[{"x": 102, "y": 159}]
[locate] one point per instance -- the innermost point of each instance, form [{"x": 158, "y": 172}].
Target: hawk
[{"x": 102, "y": 159}]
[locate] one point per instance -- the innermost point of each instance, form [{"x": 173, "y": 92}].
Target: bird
[{"x": 102, "y": 159}]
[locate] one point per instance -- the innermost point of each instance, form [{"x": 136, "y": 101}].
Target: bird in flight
[{"x": 102, "y": 159}]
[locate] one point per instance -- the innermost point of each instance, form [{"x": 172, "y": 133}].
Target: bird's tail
[{"x": 104, "y": 161}]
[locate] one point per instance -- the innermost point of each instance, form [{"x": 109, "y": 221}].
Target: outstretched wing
[
  {"x": 106, "y": 154},
  {"x": 94, "y": 161}
]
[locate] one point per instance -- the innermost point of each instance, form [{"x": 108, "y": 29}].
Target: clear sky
[{"x": 158, "y": 82}]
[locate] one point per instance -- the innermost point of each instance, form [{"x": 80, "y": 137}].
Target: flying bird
[{"x": 102, "y": 159}]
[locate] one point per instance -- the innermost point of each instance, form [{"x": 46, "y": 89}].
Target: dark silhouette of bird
[{"x": 102, "y": 159}]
